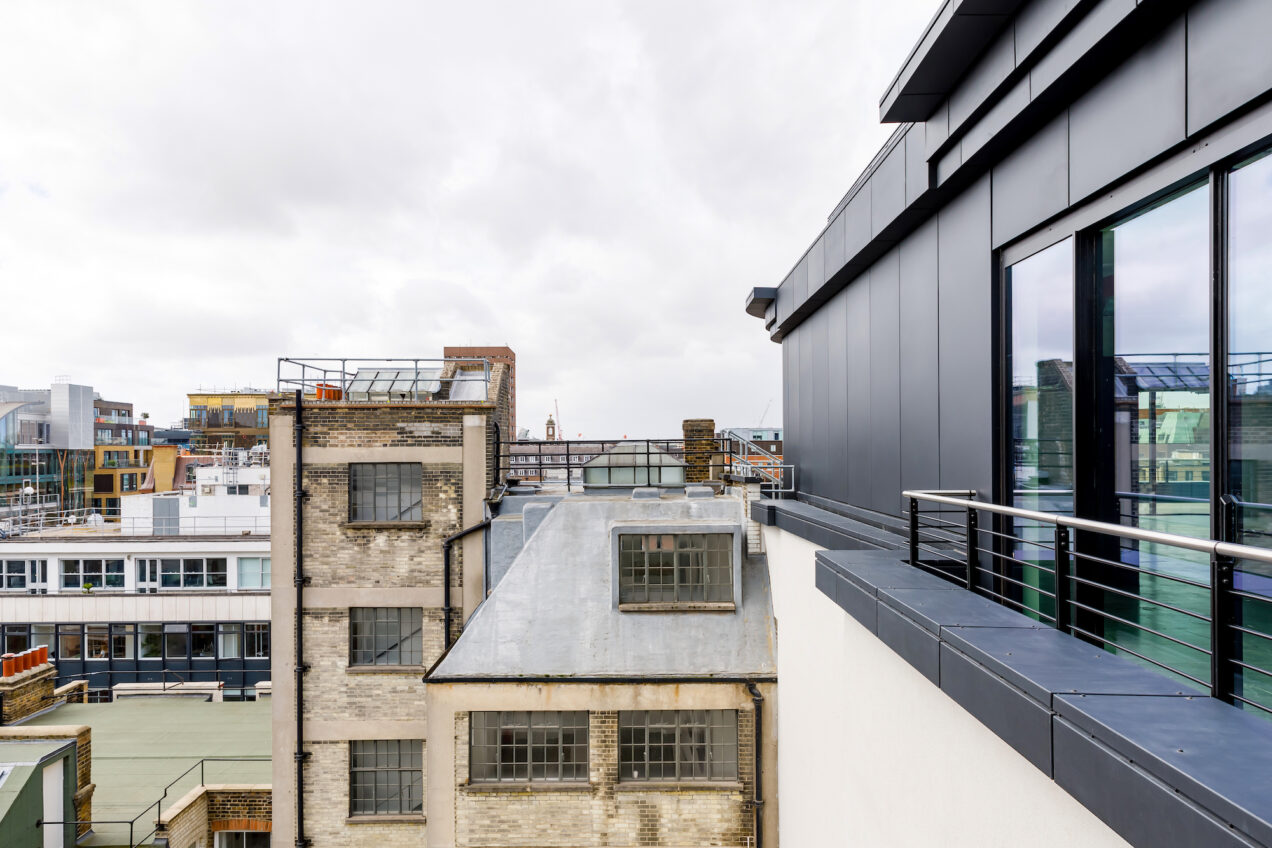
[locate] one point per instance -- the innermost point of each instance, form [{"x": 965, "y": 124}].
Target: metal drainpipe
[
  {"x": 446, "y": 598},
  {"x": 758, "y": 701},
  {"x": 298, "y": 494}
]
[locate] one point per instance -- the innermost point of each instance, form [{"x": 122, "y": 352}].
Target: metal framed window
[
  {"x": 257, "y": 640},
  {"x": 193, "y": 573},
  {"x": 15, "y": 574},
  {"x": 97, "y": 573},
  {"x": 386, "y": 777},
  {"x": 527, "y": 746},
  {"x": 671, "y": 568},
  {"x": 253, "y": 572},
  {"x": 385, "y": 491},
  {"x": 678, "y": 745},
  {"x": 386, "y": 636}
]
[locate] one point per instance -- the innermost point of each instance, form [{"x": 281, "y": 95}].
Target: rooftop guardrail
[{"x": 371, "y": 380}]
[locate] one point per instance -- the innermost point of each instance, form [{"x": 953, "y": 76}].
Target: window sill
[
  {"x": 527, "y": 787},
  {"x": 673, "y": 606},
  {"x": 385, "y": 669},
  {"x": 383, "y": 525},
  {"x": 678, "y": 786},
  {"x": 409, "y": 819}
]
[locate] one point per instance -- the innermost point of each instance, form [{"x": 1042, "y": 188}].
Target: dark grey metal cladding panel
[
  {"x": 857, "y": 222},
  {"x": 1229, "y": 63},
  {"x": 808, "y": 449},
  {"x": 887, "y": 189},
  {"x": 857, "y": 602},
  {"x": 833, "y": 248},
  {"x": 950, "y": 161},
  {"x": 916, "y": 169},
  {"x": 987, "y": 74},
  {"x": 965, "y": 341},
  {"x": 785, "y": 303},
  {"x": 817, "y": 264},
  {"x": 1036, "y": 21},
  {"x": 820, "y": 474},
  {"x": 915, "y": 645},
  {"x": 1044, "y": 661},
  {"x": 1130, "y": 116},
  {"x": 876, "y": 571},
  {"x": 1214, "y": 754},
  {"x": 935, "y": 609},
  {"x": 1077, "y": 42},
  {"x": 799, "y": 281},
  {"x": 825, "y": 578},
  {"x": 1142, "y": 810},
  {"x": 919, "y": 366},
  {"x": 992, "y": 122},
  {"x": 1032, "y": 183},
  {"x": 936, "y": 130},
  {"x": 790, "y": 399},
  {"x": 1016, "y": 718},
  {"x": 857, "y": 335},
  {"x": 837, "y": 389},
  {"x": 885, "y": 383}
]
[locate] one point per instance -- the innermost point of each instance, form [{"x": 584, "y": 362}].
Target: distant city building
[
  {"x": 46, "y": 449},
  {"x": 122, "y": 453},
  {"x": 236, "y": 419}
]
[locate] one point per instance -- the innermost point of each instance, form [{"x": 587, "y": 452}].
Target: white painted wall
[
  {"x": 54, "y": 778},
  {"x": 120, "y": 606},
  {"x": 872, "y": 754}
]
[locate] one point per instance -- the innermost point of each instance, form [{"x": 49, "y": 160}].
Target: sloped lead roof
[{"x": 552, "y": 615}]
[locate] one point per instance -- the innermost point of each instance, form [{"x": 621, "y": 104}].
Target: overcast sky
[{"x": 188, "y": 191}]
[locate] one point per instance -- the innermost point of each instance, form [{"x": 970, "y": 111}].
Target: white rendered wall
[{"x": 872, "y": 754}]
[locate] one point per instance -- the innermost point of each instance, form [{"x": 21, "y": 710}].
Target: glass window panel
[
  {"x": 122, "y": 637},
  {"x": 150, "y": 645},
  {"x": 202, "y": 643},
  {"x": 176, "y": 641},
  {"x": 97, "y": 641}
]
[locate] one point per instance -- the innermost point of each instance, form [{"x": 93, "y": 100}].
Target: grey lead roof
[{"x": 552, "y": 614}]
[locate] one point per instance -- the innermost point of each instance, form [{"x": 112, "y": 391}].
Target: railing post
[
  {"x": 1222, "y": 669},
  {"x": 914, "y": 531},
  {"x": 973, "y": 547},
  {"x": 1064, "y": 610}
]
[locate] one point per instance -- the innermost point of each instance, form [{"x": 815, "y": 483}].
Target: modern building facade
[
  {"x": 234, "y": 419},
  {"x": 1045, "y": 294},
  {"x": 122, "y": 447},
  {"x": 46, "y": 449}
]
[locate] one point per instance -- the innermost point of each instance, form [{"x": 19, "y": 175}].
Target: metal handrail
[{"x": 1211, "y": 547}]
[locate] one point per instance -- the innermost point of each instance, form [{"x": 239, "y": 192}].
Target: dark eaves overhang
[
  {"x": 760, "y": 299},
  {"x": 953, "y": 40}
]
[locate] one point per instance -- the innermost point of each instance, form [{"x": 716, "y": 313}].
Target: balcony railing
[
  {"x": 89, "y": 522},
  {"x": 247, "y": 419},
  {"x": 366, "y": 380},
  {"x": 1198, "y": 609}
]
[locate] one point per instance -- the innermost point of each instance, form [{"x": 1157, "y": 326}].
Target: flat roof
[{"x": 140, "y": 745}]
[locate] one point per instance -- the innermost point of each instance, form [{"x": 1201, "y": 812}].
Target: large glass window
[
  {"x": 257, "y": 642},
  {"x": 385, "y": 636},
  {"x": 15, "y": 574},
  {"x": 150, "y": 645},
  {"x": 386, "y": 777},
  {"x": 675, "y": 568},
  {"x": 97, "y": 641},
  {"x": 253, "y": 572},
  {"x": 385, "y": 491},
  {"x": 77, "y": 573},
  {"x": 528, "y": 746},
  {"x": 678, "y": 745},
  {"x": 193, "y": 573},
  {"x": 176, "y": 641}
]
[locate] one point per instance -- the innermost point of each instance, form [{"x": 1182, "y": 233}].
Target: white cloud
[{"x": 189, "y": 190}]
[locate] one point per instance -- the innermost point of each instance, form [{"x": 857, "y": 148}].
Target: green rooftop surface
[
  {"x": 23, "y": 757},
  {"x": 140, "y": 745}
]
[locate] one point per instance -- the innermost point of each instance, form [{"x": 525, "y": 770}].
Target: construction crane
[
  {"x": 557, "y": 407},
  {"x": 760, "y": 423}
]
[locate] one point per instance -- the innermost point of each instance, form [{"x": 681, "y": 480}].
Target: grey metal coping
[
  {"x": 823, "y": 527},
  {"x": 951, "y": 43},
  {"x": 757, "y": 302},
  {"x": 1160, "y": 764}
]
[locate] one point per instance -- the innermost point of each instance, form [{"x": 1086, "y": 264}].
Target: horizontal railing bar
[
  {"x": 1103, "y": 587},
  {"x": 1258, "y": 706},
  {"x": 1161, "y": 575},
  {"x": 1015, "y": 582},
  {"x": 1111, "y": 617},
  {"x": 1253, "y": 668},
  {"x": 1132, "y": 652},
  {"x": 1205, "y": 546},
  {"x": 1241, "y": 593},
  {"x": 980, "y": 590},
  {"x": 1247, "y": 631}
]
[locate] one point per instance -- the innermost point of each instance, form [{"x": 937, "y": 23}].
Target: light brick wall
[
  {"x": 24, "y": 694},
  {"x": 187, "y": 824},
  {"x": 604, "y": 812},
  {"x": 327, "y": 806},
  {"x": 332, "y": 691}
]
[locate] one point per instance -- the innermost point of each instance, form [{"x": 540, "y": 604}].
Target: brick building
[
  {"x": 386, "y": 479},
  {"x": 500, "y": 355}
]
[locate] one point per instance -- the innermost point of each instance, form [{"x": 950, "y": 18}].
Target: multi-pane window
[
  {"x": 385, "y": 491},
  {"x": 97, "y": 641},
  {"x": 15, "y": 574},
  {"x": 97, "y": 573},
  {"x": 70, "y": 642},
  {"x": 193, "y": 573},
  {"x": 122, "y": 637},
  {"x": 675, "y": 568},
  {"x": 386, "y": 777},
  {"x": 385, "y": 636},
  {"x": 150, "y": 645},
  {"x": 678, "y": 745},
  {"x": 229, "y": 641},
  {"x": 203, "y": 641},
  {"x": 253, "y": 572},
  {"x": 521, "y": 746},
  {"x": 176, "y": 641},
  {"x": 257, "y": 641}
]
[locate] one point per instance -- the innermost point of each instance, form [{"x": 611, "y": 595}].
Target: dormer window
[{"x": 675, "y": 568}]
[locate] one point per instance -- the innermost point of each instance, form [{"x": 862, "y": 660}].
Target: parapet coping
[
  {"x": 179, "y": 805},
  {"x": 1160, "y": 763}
]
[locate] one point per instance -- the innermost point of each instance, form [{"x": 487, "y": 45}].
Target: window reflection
[{"x": 1039, "y": 296}]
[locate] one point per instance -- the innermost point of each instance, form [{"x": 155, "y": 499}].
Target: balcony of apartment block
[{"x": 239, "y": 420}]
